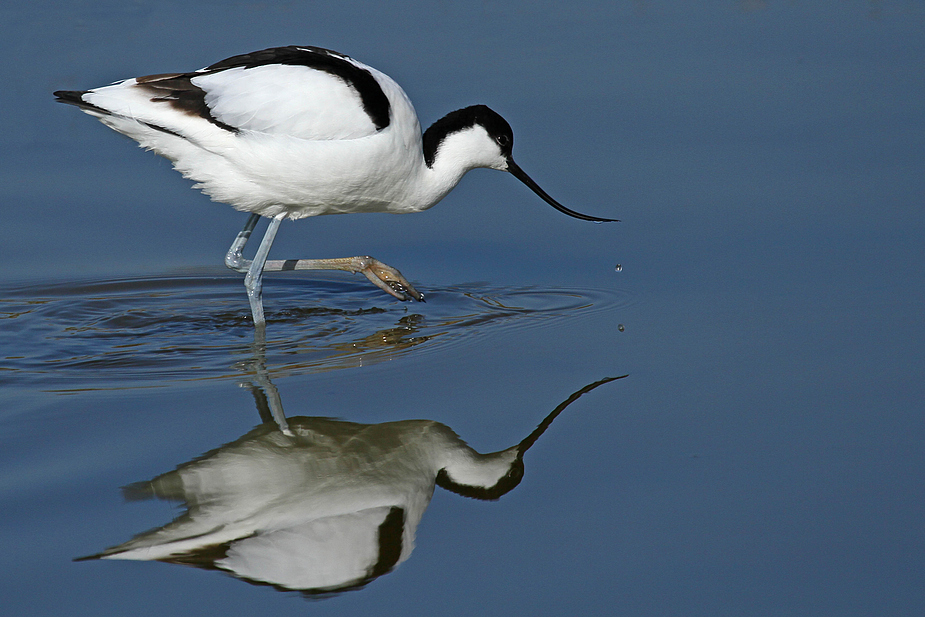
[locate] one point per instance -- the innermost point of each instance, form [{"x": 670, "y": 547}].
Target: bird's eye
[{"x": 503, "y": 140}]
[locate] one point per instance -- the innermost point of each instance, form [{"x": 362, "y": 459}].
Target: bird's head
[{"x": 477, "y": 136}]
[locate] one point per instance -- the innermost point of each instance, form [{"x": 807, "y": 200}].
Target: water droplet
[{"x": 619, "y": 268}]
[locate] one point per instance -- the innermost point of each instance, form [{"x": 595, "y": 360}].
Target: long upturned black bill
[
  {"x": 539, "y": 430},
  {"x": 521, "y": 175}
]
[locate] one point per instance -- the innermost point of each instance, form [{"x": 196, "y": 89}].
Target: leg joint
[{"x": 235, "y": 261}]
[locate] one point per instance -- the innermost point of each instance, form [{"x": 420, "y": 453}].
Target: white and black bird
[
  {"x": 290, "y": 132},
  {"x": 321, "y": 506}
]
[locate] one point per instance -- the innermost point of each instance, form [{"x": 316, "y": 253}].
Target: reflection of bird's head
[{"x": 489, "y": 476}]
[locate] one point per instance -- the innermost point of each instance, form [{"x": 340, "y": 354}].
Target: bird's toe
[{"x": 390, "y": 280}]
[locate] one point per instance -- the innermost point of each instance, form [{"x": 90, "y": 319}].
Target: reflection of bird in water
[
  {"x": 322, "y": 506},
  {"x": 292, "y": 132}
]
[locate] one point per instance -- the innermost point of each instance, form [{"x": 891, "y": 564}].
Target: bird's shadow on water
[
  {"x": 316, "y": 505},
  {"x": 138, "y": 332}
]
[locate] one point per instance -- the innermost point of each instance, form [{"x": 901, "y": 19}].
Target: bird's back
[{"x": 299, "y": 130}]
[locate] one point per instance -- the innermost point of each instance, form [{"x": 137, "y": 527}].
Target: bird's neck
[
  {"x": 446, "y": 161},
  {"x": 438, "y": 180}
]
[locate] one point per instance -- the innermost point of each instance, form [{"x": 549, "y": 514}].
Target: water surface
[
  {"x": 763, "y": 457},
  {"x": 132, "y": 332}
]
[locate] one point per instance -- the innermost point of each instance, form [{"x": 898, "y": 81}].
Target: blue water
[
  {"x": 763, "y": 457},
  {"x": 131, "y": 332}
]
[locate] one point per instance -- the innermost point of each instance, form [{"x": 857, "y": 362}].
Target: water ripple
[{"x": 132, "y": 331}]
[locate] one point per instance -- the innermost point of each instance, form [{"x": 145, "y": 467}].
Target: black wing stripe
[
  {"x": 375, "y": 102},
  {"x": 179, "y": 91},
  {"x": 182, "y": 94}
]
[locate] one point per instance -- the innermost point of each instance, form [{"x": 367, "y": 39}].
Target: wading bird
[{"x": 291, "y": 132}]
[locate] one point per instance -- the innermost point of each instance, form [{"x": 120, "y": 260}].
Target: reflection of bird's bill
[
  {"x": 532, "y": 437},
  {"x": 521, "y": 175}
]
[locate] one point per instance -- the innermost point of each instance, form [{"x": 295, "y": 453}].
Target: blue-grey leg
[
  {"x": 234, "y": 258},
  {"x": 253, "y": 281},
  {"x": 381, "y": 275}
]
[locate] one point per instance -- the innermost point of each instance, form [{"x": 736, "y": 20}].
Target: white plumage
[{"x": 291, "y": 132}]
